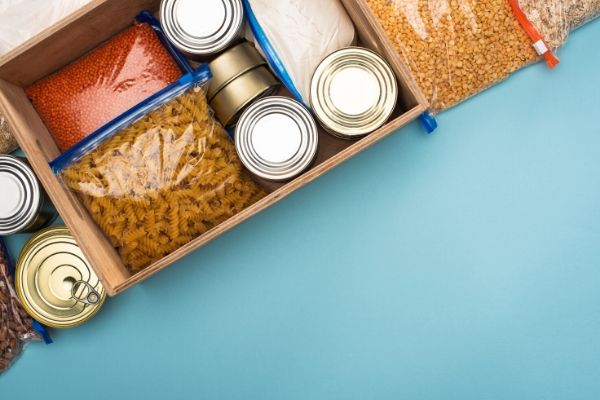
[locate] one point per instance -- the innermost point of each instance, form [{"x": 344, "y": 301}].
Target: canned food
[
  {"x": 276, "y": 138},
  {"x": 55, "y": 282},
  {"x": 353, "y": 92},
  {"x": 233, "y": 98},
  {"x": 202, "y": 28},
  {"x": 230, "y": 65},
  {"x": 24, "y": 206}
]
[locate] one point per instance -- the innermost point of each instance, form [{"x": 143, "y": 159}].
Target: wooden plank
[
  {"x": 38, "y": 145},
  {"x": 69, "y": 39},
  {"x": 95, "y": 23}
]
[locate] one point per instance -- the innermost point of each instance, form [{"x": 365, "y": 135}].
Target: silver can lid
[
  {"x": 276, "y": 138},
  {"x": 202, "y": 27},
  {"x": 20, "y": 197},
  {"x": 353, "y": 92}
]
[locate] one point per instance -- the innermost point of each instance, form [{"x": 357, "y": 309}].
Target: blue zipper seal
[
  {"x": 39, "y": 328},
  {"x": 272, "y": 57},
  {"x": 429, "y": 122},
  {"x": 200, "y": 76}
]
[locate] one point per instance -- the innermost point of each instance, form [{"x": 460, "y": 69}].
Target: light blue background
[{"x": 463, "y": 265}]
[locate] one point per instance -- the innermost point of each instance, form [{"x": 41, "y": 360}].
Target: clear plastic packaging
[
  {"x": 16, "y": 327},
  {"x": 455, "y": 49},
  {"x": 161, "y": 175},
  {"x": 295, "y": 36},
  {"x": 8, "y": 143},
  {"x": 556, "y": 19},
  {"x": 88, "y": 93}
]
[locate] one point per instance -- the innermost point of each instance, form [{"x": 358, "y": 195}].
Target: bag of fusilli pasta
[{"x": 160, "y": 175}]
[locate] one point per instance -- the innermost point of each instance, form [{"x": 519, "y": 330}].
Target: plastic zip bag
[
  {"x": 455, "y": 48},
  {"x": 556, "y": 19},
  {"x": 117, "y": 75},
  {"x": 161, "y": 175},
  {"x": 8, "y": 143},
  {"x": 295, "y": 36},
  {"x": 16, "y": 327}
]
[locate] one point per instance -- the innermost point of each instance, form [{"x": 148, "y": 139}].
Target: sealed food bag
[
  {"x": 160, "y": 176},
  {"x": 16, "y": 327},
  {"x": 556, "y": 19},
  {"x": 295, "y": 36},
  {"x": 455, "y": 48},
  {"x": 8, "y": 143},
  {"x": 88, "y": 93}
]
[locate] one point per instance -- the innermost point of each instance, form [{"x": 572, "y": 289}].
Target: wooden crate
[{"x": 86, "y": 29}]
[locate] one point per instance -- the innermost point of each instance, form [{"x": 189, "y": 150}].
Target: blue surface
[{"x": 462, "y": 265}]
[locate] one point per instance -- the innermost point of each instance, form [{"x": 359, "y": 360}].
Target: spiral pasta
[{"x": 163, "y": 181}]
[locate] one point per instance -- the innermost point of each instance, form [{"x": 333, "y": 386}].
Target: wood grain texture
[
  {"x": 40, "y": 149},
  {"x": 69, "y": 39},
  {"x": 97, "y": 22}
]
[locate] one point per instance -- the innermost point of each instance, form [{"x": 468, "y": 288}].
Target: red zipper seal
[{"x": 539, "y": 44}]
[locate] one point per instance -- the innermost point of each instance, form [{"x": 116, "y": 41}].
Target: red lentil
[{"x": 85, "y": 95}]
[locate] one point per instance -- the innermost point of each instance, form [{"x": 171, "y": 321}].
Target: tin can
[
  {"x": 202, "y": 28},
  {"x": 234, "y": 98},
  {"x": 24, "y": 206},
  {"x": 55, "y": 282},
  {"x": 353, "y": 92},
  {"x": 232, "y": 64},
  {"x": 276, "y": 138}
]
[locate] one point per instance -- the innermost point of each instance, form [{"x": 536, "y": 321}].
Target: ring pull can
[
  {"x": 55, "y": 282},
  {"x": 85, "y": 293},
  {"x": 24, "y": 206}
]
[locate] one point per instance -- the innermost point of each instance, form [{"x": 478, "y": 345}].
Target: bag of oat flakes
[
  {"x": 556, "y": 19},
  {"x": 455, "y": 48}
]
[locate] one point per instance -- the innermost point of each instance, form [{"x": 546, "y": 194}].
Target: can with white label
[
  {"x": 277, "y": 139},
  {"x": 201, "y": 29},
  {"x": 24, "y": 206}
]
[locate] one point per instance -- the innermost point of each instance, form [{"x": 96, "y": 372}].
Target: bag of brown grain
[
  {"x": 16, "y": 327},
  {"x": 8, "y": 144},
  {"x": 455, "y": 48},
  {"x": 556, "y": 19}
]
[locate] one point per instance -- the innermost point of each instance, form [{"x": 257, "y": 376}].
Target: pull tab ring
[{"x": 91, "y": 298}]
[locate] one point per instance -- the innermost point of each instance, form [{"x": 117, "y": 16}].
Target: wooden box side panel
[
  {"x": 72, "y": 37},
  {"x": 274, "y": 197},
  {"x": 38, "y": 145},
  {"x": 83, "y": 31}
]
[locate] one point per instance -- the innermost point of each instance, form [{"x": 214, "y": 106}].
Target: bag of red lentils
[
  {"x": 92, "y": 91},
  {"x": 556, "y": 19},
  {"x": 455, "y": 49}
]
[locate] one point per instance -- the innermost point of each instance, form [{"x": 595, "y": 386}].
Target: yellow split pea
[{"x": 455, "y": 48}]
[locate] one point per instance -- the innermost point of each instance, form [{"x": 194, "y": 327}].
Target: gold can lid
[
  {"x": 353, "y": 92},
  {"x": 231, "y": 64},
  {"x": 55, "y": 282}
]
